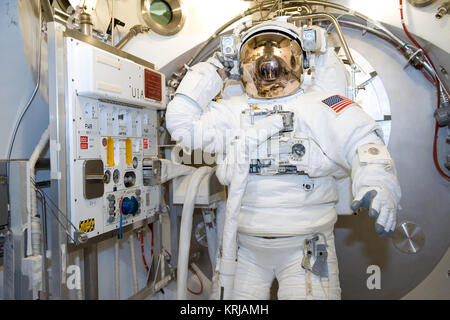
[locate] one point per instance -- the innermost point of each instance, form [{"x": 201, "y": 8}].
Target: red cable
[
  {"x": 405, "y": 29},
  {"x": 414, "y": 40},
  {"x": 194, "y": 272},
  {"x": 438, "y": 87},
  {"x": 200, "y": 280},
  {"x": 142, "y": 250}
]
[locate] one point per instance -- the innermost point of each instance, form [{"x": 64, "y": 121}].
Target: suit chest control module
[{"x": 283, "y": 153}]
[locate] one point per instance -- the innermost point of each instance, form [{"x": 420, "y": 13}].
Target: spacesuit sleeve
[
  {"x": 350, "y": 134},
  {"x": 192, "y": 118},
  {"x": 340, "y": 134}
]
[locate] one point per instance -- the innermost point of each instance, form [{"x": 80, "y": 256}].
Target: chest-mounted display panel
[{"x": 283, "y": 153}]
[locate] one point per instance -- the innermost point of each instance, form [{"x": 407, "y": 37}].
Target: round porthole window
[
  {"x": 165, "y": 17},
  {"x": 161, "y": 12}
]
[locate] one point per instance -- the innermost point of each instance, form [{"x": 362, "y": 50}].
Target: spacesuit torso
[{"x": 298, "y": 203}]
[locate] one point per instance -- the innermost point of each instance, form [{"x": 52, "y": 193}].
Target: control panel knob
[
  {"x": 130, "y": 206},
  {"x": 107, "y": 177},
  {"x": 116, "y": 176}
]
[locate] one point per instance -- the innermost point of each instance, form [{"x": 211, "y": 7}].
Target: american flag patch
[{"x": 337, "y": 103}]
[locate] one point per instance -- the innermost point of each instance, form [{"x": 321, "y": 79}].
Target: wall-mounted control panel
[{"x": 111, "y": 117}]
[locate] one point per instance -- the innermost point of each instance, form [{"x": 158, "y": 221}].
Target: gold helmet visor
[{"x": 271, "y": 65}]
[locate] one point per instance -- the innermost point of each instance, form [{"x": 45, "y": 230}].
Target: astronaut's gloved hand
[
  {"x": 381, "y": 206},
  {"x": 239, "y": 151},
  {"x": 223, "y": 65}
]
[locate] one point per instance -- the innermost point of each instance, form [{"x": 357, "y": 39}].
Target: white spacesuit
[{"x": 281, "y": 204}]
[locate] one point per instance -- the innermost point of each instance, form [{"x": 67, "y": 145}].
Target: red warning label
[{"x": 153, "y": 86}]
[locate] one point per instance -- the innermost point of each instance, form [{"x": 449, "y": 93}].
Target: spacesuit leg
[
  {"x": 296, "y": 283},
  {"x": 260, "y": 260},
  {"x": 334, "y": 288},
  {"x": 254, "y": 275},
  {"x": 291, "y": 276}
]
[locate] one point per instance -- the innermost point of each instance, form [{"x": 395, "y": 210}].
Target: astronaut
[{"x": 281, "y": 202}]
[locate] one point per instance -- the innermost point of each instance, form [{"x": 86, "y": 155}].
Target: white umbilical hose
[
  {"x": 245, "y": 146},
  {"x": 34, "y": 221},
  {"x": 186, "y": 230},
  {"x": 229, "y": 238}
]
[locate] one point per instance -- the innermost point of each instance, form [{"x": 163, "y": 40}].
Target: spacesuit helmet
[{"x": 271, "y": 63}]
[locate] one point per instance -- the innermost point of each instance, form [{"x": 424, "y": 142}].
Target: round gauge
[
  {"x": 298, "y": 149},
  {"x": 116, "y": 176},
  {"x": 107, "y": 177},
  {"x": 135, "y": 162}
]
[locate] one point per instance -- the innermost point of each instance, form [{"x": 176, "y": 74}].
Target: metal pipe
[
  {"x": 334, "y": 21},
  {"x": 351, "y": 12},
  {"x": 47, "y": 9},
  {"x": 134, "y": 31},
  {"x": 357, "y": 25},
  {"x": 267, "y": 5},
  {"x": 336, "y": 25},
  {"x": 60, "y": 12},
  {"x": 271, "y": 9},
  {"x": 309, "y": 17}
]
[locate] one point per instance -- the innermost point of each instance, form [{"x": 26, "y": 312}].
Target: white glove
[
  {"x": 223, "y": 65},
  {"x": 219, "y": 61},
  {"x": 240, "y": 149},
  {"x": 381, "y": 206}
]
